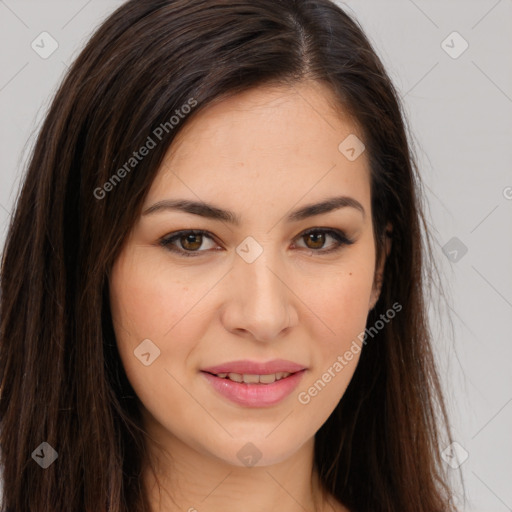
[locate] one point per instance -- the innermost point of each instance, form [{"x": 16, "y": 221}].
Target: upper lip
[{"x": 246, "y": 367}]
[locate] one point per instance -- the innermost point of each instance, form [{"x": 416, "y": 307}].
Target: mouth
[
  {"x": 248, "y": 378},
  {"x": 250, "y": 368},
  {"x": 254, "y": 389}
]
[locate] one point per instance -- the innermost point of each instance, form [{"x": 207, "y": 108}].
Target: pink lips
[{"x": 255, "y": 395}]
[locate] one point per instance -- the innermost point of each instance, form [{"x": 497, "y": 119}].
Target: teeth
[
  {"x": 268, "y": 379},
  {"x": 254, "y": 379},
  {"x": 251, "y": 379}
]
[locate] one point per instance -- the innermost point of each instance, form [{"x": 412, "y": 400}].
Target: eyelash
[{"x": 339, "y": 236}]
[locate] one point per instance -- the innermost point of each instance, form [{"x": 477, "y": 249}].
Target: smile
[
  {"x": 254, "y": 379},
  {"x": 254, "y": 390}
]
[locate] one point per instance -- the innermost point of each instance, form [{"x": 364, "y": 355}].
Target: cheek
[
  {"x": 147, "y": 304},
  {"x": 343, "y": 298},
  {"x": 148, "y": 301},
  {"x": 342, "y": 302},
  {"x": 151, "y": 313},
  {"x": 337, "y": 344},
  {"x": 344, "y": 313}
]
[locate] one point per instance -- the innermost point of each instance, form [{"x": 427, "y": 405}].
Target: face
[{"x": 281, "y": 283}]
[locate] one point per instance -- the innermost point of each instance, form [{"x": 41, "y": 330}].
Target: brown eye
[
  {"x": 188, "y": 243},
  {"x": 316, "y": 239},
  {"x": 191, "y": 242}
]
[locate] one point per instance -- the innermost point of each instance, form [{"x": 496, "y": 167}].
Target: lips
[{"x": 254, "y": 384}]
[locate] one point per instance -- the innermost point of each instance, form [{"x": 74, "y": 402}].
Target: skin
[{"x": 260, "y": 154}]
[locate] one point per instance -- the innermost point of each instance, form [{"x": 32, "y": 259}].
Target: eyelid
[{"x": 339, "y": 235}]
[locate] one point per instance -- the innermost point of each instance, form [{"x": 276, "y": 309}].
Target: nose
[{"x": 260, "y": 303}]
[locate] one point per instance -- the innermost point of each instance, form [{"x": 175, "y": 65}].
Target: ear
[{"x": 379, "y": 270}]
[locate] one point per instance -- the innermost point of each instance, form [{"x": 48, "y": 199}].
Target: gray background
[{"x": 459, "y": 110}]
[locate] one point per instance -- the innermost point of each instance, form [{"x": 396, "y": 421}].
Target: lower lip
[{"x": 255, "y": 395}]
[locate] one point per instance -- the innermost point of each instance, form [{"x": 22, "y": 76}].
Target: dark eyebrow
[{"x": 212, "y": 212}]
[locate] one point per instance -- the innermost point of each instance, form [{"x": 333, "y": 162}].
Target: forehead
[{"x": 270, "y": 143}]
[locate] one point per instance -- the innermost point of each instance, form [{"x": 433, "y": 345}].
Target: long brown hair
[{"x": 62, "y": 381}]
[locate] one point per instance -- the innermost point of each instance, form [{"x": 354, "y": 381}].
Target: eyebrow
[{"x": 213, "y": 212}]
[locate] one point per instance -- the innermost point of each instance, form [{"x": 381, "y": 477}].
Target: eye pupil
[
  {"x": 318, "y": 240},
  {"x": 189, "y": 239}
]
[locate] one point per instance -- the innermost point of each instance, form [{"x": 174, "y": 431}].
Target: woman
[{"x": 213, "y": 283}]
